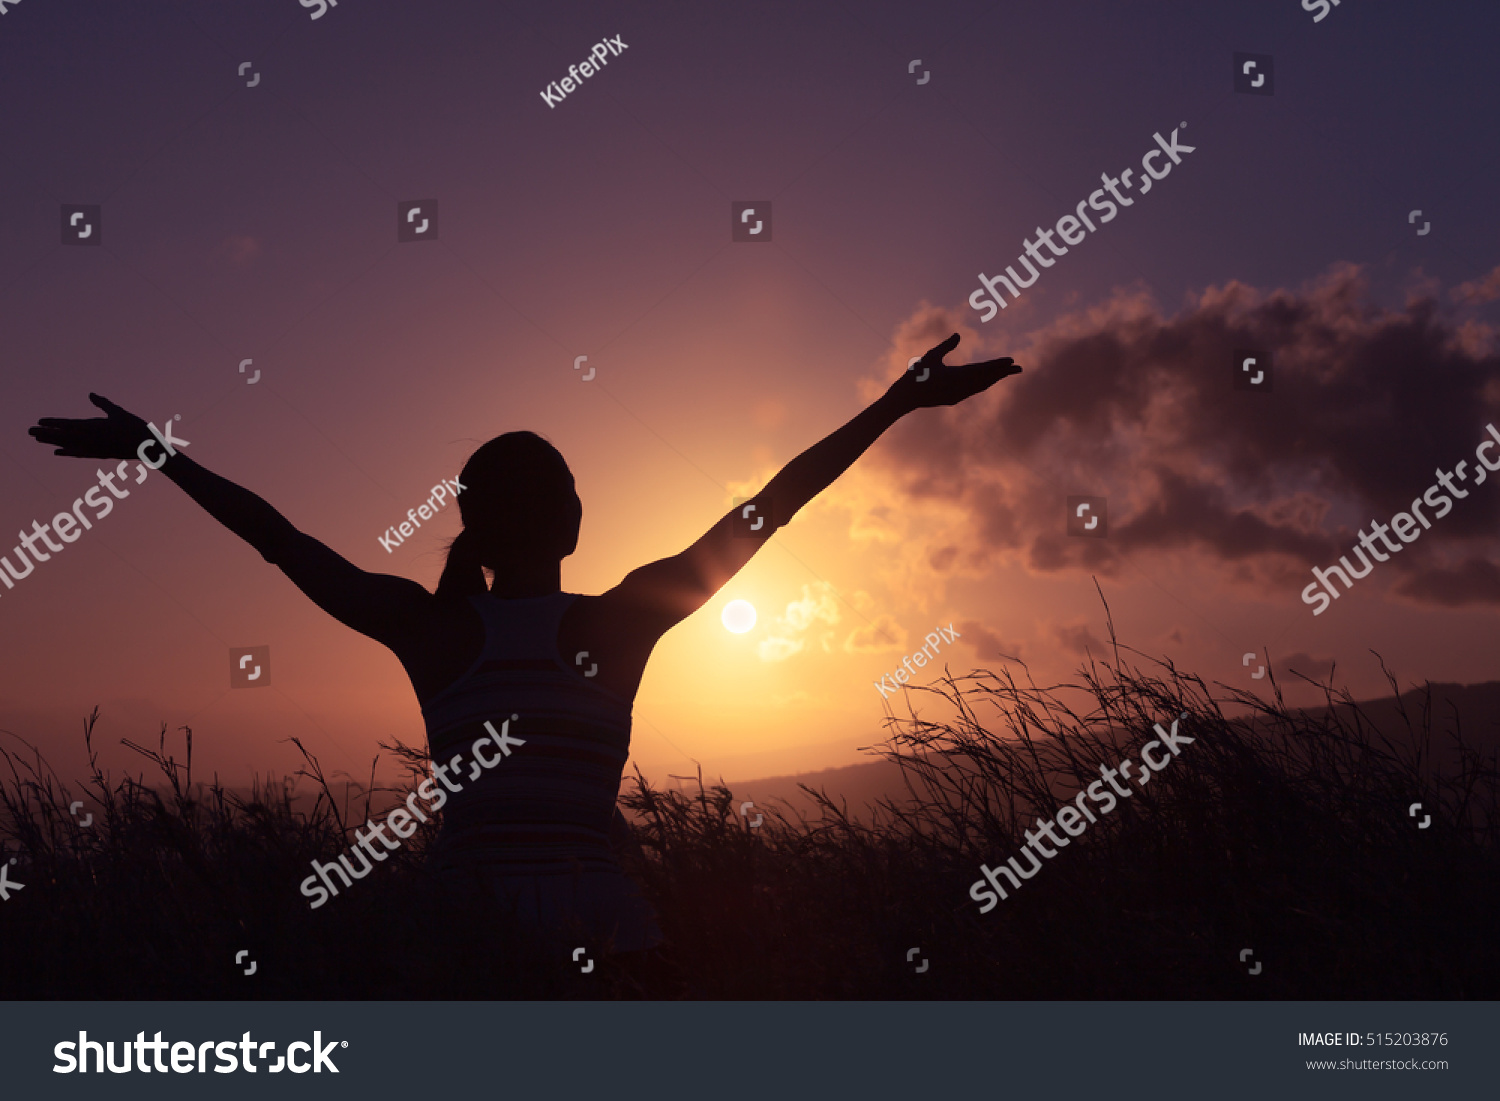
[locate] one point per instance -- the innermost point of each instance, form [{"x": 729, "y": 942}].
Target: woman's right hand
[{"x": 116, "y": 436}]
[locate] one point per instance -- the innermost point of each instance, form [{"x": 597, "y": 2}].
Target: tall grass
[{"x": 1280, "y": 830}]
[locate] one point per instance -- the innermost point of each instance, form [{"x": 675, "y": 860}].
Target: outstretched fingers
[
  {"x": 116, "y": 435},
  {"x": 49, "y": 430},
  {"x": 104, "y": 403},
  {"x": 62, "y": 439},
  {"x": 1007, "y": 366},
  {"x": 942, "y": 349}
]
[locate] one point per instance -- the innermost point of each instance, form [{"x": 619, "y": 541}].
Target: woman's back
[{"x": 533, "y": 830}]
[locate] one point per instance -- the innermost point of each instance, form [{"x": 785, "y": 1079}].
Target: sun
[{"x": 739, "y": 616}]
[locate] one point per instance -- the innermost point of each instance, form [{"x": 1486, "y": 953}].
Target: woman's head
[{"x": 519, "y": 508}]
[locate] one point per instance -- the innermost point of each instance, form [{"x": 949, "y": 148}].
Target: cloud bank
[{"x": 1123, "y": 401}]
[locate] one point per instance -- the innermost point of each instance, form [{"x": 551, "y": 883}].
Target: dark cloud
[
  {"x": 1477, "y": 579},
  {"x": 1079, "y": 640},
  {"x": 1124, "y": 402},
  {"x": 987, "y": 645}
]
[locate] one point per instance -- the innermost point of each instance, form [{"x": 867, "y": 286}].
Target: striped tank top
[{"x": 534, "y": 830}]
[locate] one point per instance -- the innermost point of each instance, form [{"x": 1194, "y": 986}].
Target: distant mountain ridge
[{"x": 1477, "y": 707}]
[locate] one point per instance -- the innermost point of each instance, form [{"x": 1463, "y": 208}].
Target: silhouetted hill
[{"x": 1477, "y": 707}]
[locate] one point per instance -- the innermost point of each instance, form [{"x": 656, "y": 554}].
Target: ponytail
[{"x": 463, "y": 575}]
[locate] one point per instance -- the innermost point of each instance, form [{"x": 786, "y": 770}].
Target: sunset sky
[{"x": 260, "y": 223}]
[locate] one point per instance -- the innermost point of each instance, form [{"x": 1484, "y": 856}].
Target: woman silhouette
[{"x": 533, "y": 833}]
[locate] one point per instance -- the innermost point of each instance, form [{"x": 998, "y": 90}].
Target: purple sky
[{"x": 259, "y": 223}]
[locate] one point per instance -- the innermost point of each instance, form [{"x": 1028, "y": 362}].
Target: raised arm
[
  {"x": 668, "y": 591},
  {"x": 378, "y": 605}
]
